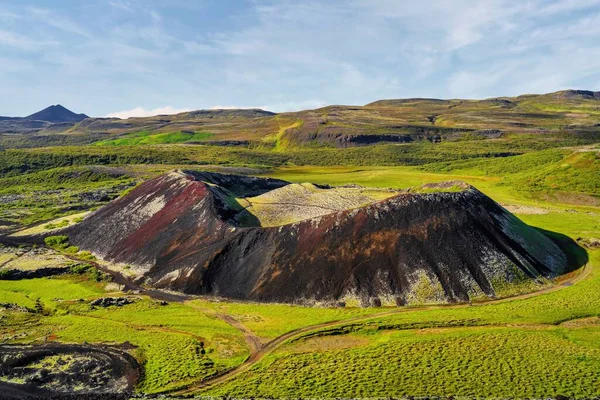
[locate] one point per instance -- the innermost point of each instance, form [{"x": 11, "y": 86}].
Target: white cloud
[
  {"x": 554, "y": 70},
  {"x": 142, "y": 112},
  {"x": 22, "y": 42},
  {"x": 122, "y": 5},
  {"x": 58, "y": 21},
  {"x": 155, "y": 15}
]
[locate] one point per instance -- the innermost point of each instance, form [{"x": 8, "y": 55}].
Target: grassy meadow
[{"x": 546, "y": 340}]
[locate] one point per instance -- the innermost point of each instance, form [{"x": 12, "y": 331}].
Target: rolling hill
[{"x": 572, "y": 112}]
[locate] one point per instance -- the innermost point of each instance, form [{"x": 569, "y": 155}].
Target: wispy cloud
[
  {"x": 58, "y": 21},
  {"x": 142, "y": 112},
  {"x": 286, "y": 55},
  {"x": 22, "y": 42},
  {"x": 8, "y": 15},
  {"x": 121, "y": 5},
  {"x": 155, "y": 15}
]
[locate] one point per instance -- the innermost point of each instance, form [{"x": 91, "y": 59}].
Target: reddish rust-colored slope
[{"x": 176, "y": 232}]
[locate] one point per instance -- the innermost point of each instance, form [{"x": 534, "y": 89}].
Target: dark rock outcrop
[
  {"x": 111, "y": 301},
  {"x": 178, "y": 232},
  {"x": 579, "y": 94}
]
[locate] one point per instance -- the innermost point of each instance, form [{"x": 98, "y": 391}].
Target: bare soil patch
[{"x": 526, "y": 210}]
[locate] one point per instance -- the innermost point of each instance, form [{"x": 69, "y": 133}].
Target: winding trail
[
  {"x": 258, "y": 350},
  {"x": 252, "y": 341},
  {"x": 274, "y": 344}
]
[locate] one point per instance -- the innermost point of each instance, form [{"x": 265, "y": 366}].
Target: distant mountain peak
[{"x": 56, "y": 113}]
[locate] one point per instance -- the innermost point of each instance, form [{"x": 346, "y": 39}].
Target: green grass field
[
  {"x": 539, "y": 346},
  {"x": 166, "y": 338},
  {"x": 477, "y": 362},
  {"x": 268, "y": 321}
]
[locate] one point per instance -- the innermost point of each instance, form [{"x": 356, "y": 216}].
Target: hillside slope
[
  {"x": 572, "y": 113},
  {"x": 181, "y": 231}
]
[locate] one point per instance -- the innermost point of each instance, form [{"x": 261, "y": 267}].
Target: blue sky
[{"x": 129, "y": 57}]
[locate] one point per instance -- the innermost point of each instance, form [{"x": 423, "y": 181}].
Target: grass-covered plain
[
  {"x": 475, "y": 363},
  {"x": 268, "y": 321},
  {"x": 543, "y": 345}
]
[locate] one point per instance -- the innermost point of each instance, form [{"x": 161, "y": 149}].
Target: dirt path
[
  {"x": 252, "y": 341},
  {"x": 269, "y": 348},
  {"x": 274, "y": 344}
]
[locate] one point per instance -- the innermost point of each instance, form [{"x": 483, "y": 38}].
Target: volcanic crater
[
  {"x": 57, "y": 371},
  {"x": 269, "y": 240}
]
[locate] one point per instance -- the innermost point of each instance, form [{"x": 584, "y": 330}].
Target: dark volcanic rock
[
  {"x": 111, "y": 301},
  {"x": 410, "y": 248}
]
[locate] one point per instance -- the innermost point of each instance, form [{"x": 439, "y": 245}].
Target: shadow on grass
[{"x": 577, "y": 256}]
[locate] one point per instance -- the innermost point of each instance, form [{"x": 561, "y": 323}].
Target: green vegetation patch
[
  {"x": 271, "y": 320},
  {"x": 176, "y": 344},
  {"x": 51, "y": 291},
  {"x": 548, "y": 173},
  {"x": 48, "y": 194},
  {"x": 522, "y": 363},
  {"x": 152, "y": 138}
]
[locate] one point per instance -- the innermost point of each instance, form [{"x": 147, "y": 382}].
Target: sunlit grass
[
  {"x": 481, "y": 362},
  {"x": 152, "y": 138}
]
